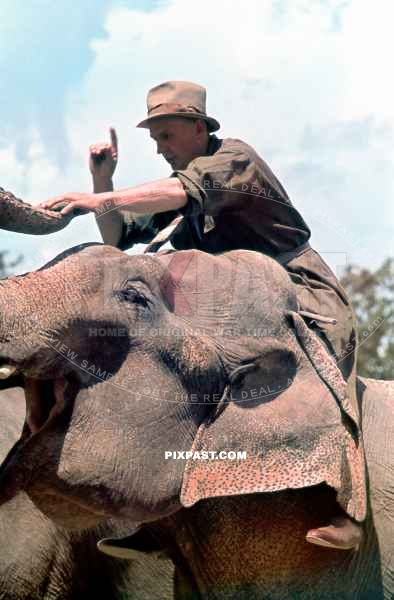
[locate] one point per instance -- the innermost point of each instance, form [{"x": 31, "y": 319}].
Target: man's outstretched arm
[
  {"x": 148, "y": 198},
  {"x": 155, "y": 197}
]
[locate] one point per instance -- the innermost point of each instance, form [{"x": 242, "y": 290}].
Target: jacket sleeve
[
  {"x": 141, "y": 229},
  {"x": 208, "y": 181},
  {"x": 227, "y": 180}
]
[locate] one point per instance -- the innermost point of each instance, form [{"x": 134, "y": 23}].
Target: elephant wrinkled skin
[
  {"x": 124, "y": 358},
  {"x": 16, "y": 215}
]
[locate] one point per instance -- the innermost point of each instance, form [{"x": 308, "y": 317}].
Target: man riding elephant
[{"x": 221, "y": 196}]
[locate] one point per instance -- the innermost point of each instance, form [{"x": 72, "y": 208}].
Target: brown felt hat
[{"x": 178, "y": 99}]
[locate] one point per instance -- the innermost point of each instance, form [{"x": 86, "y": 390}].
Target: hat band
[{"x": 173, "y": 108}]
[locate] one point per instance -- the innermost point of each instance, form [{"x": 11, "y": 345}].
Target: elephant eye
[{"x": 133, "y": 294}]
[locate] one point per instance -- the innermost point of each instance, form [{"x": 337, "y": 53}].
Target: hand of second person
[{"x": 73, "y": 200}]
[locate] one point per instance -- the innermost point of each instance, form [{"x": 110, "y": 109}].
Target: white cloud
[
  {"x": 305, "y": 82},
  {"x": 10, "y": 166},
  {"x": 367, "y": 57}
]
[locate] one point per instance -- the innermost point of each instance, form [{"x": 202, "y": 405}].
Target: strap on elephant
[
  {"x": 165, "y": 234},
  {"x": 315, "y": 317}
]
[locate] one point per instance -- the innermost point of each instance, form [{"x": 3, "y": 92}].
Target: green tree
[{"x": 372, "y": 296}]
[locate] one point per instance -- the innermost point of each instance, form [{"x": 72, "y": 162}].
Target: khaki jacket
[{"x": 234, "y": 201}]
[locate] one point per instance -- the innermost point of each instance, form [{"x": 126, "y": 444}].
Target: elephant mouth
[
  {"x": 48, "y": 402},
  {"x": 32, "y": 467},
  {"x": 46, "y": 399}
]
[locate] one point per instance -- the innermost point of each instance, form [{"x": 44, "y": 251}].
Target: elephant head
[
  {"x": 16, "y": 215},
  {"x": 126, "y": 358}
]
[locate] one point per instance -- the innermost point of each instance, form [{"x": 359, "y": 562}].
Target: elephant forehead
[
  {"x": 97, "y": 262},
  {"x": 85, "y": 256},
  {"x": 193, "y": 280}
]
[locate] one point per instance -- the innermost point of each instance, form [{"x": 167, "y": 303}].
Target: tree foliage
[{"x": 372, "y": 296}]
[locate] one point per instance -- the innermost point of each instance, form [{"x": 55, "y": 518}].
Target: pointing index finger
[{"x": 114, "y": 139}]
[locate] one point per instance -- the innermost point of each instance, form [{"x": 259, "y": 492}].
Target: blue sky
[
  {"x": 304, "y": 81},
  {"x": 45, "y": 52}
]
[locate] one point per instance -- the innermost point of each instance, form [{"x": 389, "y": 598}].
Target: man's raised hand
[{"x": 103, "y": 158}]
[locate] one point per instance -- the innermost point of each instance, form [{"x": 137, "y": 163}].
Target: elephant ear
[{"x": 292, "y": 424}]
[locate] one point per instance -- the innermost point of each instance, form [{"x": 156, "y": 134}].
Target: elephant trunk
[
  {"x": 27, "y": 314},
  {"x": 16, "y": 215}
]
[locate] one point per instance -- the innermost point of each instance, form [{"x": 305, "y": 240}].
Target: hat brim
[{"x": 213, "y": 124}]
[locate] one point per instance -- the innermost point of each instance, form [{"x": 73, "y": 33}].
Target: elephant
[
  {"x": 43, "y": 561},
  {"x": 139, "y": 371}
]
